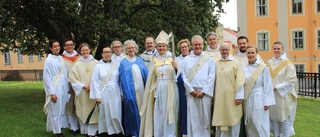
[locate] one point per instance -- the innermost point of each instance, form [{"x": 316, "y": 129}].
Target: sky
[{"x": 229, "y": 20}]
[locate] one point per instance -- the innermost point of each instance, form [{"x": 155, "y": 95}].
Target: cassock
[
  {"x": 104, "y": 85},
  {"x": 182, "y": 122},
  {"x": 55, "y": 81},
  {"x": 229, "y": 87},
  {"x": 87, "y": 110},
  {"x": 161, "y": 95},
  {"x": 284, "y": 78},
  {"x": 261, "y": 94},
  {"x": 214, "y": 53},
  {"x": 133, "y": 77},
  {"x": 199, "y": 109}
]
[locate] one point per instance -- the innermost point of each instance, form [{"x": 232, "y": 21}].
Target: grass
[{"x": 21, "y": 112}]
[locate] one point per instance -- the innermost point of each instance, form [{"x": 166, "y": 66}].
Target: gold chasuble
[
  {"x": 282, "y": 73},
  {"x": 86, "y": 107},
  {"x": 229, "y": 78}
]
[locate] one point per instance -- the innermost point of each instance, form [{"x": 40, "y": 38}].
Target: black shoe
[
  {"x": 59, "y": 135},
  {"x": 74, "y": 133}
]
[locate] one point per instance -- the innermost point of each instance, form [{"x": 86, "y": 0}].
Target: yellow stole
[
  {"x": 252, "y": 79},
  {"x": 196, "y": 67},
  {"x": 274, "y": 72}
]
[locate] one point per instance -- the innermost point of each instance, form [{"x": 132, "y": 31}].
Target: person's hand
[
  {"x": 200, "y": 95},
  {"x": 98, "y": 100},
  {"x": 54, "y": 98},
  {"x": 239, "y": 101},
  {"x": 266, "y": 108},
  {"x": 174, "y": 64},
  {"x": 194, "y": 93},
  {"x": 274, "y": 88},
  {"x": 87, "y": 88}
]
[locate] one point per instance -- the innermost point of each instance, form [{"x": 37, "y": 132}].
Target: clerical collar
[
  {"x": 154, "y": 51},
  {"x": 107, "y": 61},
  {"x": 253, "y": 62}
]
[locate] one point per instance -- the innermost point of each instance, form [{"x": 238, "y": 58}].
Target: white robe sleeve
[
  {"x": 240, "y": 93},
  {"x": 187, "y": 85},
  {"x": 267, "y": 88},
  {"x": 77, "y": 86},
  {"x": 208, "y": 89},
  {"x": 48, "y": 77},
  {"x": 95, "y": 90},
  {"x": 286, "y": 86}
]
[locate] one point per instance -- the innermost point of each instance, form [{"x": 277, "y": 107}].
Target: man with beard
[{"x": 241, "y": 56}]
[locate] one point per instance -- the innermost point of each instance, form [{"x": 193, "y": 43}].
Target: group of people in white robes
[{"x": 197, "y": 94}]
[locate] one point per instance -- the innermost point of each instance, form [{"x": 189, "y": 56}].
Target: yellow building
[
  {"x": 295, "y": 23},
  {"x": 17, "y": 67}
]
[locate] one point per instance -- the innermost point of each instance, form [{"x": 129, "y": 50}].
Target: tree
[{"x": 28, "y": 24}]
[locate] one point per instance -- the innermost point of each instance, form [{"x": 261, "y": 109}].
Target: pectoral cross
[{"x": 87, "y": 70}]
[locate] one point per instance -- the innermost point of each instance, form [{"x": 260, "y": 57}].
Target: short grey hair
[
  {"x": 211, "y": 33},
  {"x": 196, "y": 37},
  {"x": 130, "y": 41},
  {"x": 225, "y": 45}
]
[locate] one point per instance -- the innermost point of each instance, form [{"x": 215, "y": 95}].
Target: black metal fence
[{"x": 308, "y": 84}]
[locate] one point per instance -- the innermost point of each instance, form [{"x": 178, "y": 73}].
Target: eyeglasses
[
  {"x": 130, "y": 48},
  {"x": 107, "y": 52},
  {"x": 117, "y": 47},
  {"x": 183, "y": 47}
]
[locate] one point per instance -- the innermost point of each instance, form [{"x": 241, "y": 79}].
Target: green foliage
[{"x": 28, "y": 24}]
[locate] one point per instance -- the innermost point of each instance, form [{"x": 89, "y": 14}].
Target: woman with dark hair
[{"x": 56, "y": 87}]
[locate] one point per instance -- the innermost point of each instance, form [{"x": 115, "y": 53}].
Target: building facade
[
  {"x": 17, "y": 67},
  {"x": 295, "y": 23}
]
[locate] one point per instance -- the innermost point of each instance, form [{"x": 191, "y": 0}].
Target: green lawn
[{"x": 21, "y": 112}]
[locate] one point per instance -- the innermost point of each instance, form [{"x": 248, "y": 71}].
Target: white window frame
[
  {"x": 266, "y": 41},
  {"x": 39, "y": 57},
  {"x": 7, "y": 59},
  {"x": 298, "y": 67},
  {"x": 294, "y": 47},
  {"x": 30, "y": 58},
  {"x": 20, "y": 56},
  {"x": 260, "y": 7},
  {"x": 296, "y": 5}
]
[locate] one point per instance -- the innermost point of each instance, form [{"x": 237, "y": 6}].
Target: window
[
  {"x": 318, "y": 6},
  {"x": 262, "y": 8},
  {"x": 40, "y": 76},
  {"x": 7, "y": 59},
  {"x": 20, "y": 56},
  {"x": 299, "y": 67},
  {"x": 39, "y": 57},
  {"x": 298, "y": 42},
  {"x": 30, "y": 58},
  {"x": 318, "y": 39},
  {"x": 263, "y": 41},
  {"x": 296, "y": 6}
]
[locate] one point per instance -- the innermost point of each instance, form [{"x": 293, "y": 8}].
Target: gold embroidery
[
  {"x": 87, "y": 70},
  {"x": 274, "y": 72}
]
